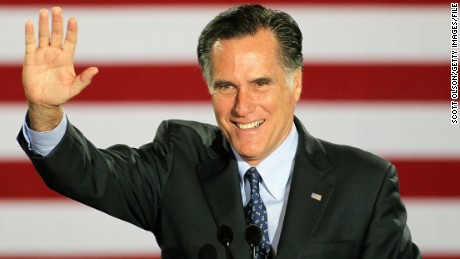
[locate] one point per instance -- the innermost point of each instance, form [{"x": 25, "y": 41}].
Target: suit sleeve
[
  {"x": 121, "y": 181},
  {"x": 388, "y": 235}
]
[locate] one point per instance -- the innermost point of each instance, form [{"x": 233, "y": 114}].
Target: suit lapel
[
  {"x": 219, "y": 181},
  {"x": 308, "y": 196}
]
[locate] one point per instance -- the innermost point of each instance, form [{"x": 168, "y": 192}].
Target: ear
[{"x": 297, "y": 84}]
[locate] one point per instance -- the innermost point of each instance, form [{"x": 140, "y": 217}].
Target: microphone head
[
  {"x": 207, "y": 251},
  {"x": 253, "y": 235},
  {"x": 225, "y": 235}
]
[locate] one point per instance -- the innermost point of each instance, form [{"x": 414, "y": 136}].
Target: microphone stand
[{"x": 253, "y": 251}]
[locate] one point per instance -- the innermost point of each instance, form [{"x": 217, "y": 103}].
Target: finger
[
  {"x": 57, "y": 28},
  {"x": 43, "y": 29},
  {"x": 70, "y": 42},
  {"x": 83, "y": 80},
  {"x": 31, "y": 42}
]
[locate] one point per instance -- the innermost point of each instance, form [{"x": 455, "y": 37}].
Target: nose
[{"x": 244, "y": 102}]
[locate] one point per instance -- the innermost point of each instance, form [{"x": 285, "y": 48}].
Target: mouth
[{"x": 251, "y": 125}]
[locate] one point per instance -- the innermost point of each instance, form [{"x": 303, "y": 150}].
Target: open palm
[{"x": 48, "y": 76}]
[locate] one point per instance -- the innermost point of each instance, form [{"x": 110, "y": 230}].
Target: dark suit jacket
[{"x": 185, "y": 184}]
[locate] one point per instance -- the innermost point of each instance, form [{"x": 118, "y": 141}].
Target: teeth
[{"x": 251, "y": 125}]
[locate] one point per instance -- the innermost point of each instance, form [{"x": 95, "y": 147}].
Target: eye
[
  {"x": 262, "y": 81},
  {"x": 261, "y": 84},
  {"x": 225, "y": 88}
]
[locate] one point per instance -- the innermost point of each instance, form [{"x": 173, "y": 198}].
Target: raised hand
[{"x": 48, "y": 75}]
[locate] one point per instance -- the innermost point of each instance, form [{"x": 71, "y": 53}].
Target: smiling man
[
  {"x": 252, "y": 96},
  {"x": 308, "y": 198}
]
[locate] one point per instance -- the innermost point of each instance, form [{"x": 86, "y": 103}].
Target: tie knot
[{"x": 253, "y": 176}]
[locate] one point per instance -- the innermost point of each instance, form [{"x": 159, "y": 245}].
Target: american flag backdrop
[{"x": 376, "y": 76}]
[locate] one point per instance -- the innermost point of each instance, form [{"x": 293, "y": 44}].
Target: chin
[{"x": 247, "y": 153}]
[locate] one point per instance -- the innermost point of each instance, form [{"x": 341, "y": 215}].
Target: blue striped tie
[{"x": 256, "y": 213}]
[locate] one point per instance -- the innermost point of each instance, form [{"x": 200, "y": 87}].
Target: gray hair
[{"x": 246, "y": 20}]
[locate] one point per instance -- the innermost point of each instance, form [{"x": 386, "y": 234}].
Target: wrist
[{"x": 44, "y": 117}]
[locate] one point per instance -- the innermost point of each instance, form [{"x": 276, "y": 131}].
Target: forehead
[{"x": 246, "y": 58}]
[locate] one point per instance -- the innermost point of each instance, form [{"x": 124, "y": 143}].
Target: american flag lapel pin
[{"x": 316, "y": 196}]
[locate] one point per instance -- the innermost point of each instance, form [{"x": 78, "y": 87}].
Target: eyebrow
[
  {"x": 264, "y": 79},
  {"x": 220, "y": 83}
]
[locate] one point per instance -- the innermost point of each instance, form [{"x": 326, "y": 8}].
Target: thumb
[{"x": 84, "y": 79}]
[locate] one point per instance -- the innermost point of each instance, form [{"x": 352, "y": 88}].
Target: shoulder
[
  {"x": 342, "y": 158},
  {"x": 354, "y": 157},
  {"x": 359, "y": 169},
  {"x": 189, "y": 129},
  {"x": 191, "y": 137}
]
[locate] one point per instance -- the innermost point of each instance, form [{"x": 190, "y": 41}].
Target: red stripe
[
  {"x": 19, "y": 180},
  {"x": 432, "y": 178},
  {"x": 321, "y": 82},
  {"x": 214, "y": 2},
  {"x": 418, "y": 178}
]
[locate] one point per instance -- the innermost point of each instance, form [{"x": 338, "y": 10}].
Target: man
[{"x": 310, "y": 198}]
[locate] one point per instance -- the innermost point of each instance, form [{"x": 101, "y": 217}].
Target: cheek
[
  {"x": 221, "y": 108},
  {"x": 285, "y": 105}
]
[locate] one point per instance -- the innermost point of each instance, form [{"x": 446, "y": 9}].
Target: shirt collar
[{"x": 275, "y": 174}]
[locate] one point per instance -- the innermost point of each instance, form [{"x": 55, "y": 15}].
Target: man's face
[{"x": 253, "y": 104}]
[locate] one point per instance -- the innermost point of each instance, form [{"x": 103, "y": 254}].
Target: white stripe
[
  {"x": 163, "y": 34},
  {"x": 434, "y": 225},
  {"x": 393, "y": 130},
  {"x": 65, "y": 227}
]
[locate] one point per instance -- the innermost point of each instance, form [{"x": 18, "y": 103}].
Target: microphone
[
  {"x": 207, "y": 251},
  {"x": 253, "y": 236},
  {"x": 225, "y": 237}
]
